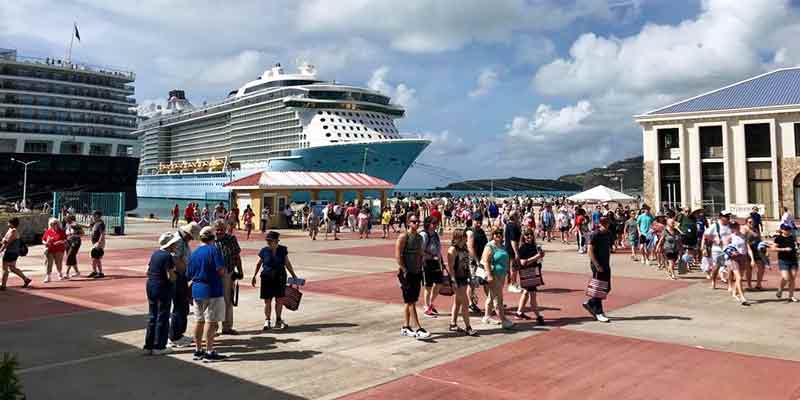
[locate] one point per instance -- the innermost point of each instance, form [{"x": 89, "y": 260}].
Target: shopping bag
[
  {"x": 531, "y": 277},
  {"x": 446, "y": 287},
  {"x": 597, "y": 289},
  {"x": 291, "y": 298}
]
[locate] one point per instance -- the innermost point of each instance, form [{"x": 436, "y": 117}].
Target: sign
[
  {"x": 744, "y": 210},
  {"x": 675, "y": 153}
]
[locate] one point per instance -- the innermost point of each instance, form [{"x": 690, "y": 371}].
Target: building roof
[
  {"x": 773, "y": 89},
  {"x": 296, "y": 180}
]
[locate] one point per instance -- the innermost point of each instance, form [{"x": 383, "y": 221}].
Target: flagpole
[{"x": 69, "y": 52}]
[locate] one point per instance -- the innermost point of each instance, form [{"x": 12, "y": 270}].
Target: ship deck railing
[{"x": 12, "y": 55}]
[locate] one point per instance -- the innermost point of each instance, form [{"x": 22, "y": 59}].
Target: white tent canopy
[{"x": 600, "y": 194}]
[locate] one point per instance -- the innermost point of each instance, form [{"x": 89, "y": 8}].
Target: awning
[
  {"x": 601, "y": 194},
  {"x": 297, "y": 180}
]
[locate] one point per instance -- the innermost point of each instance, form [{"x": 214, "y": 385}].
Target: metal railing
[{"x": 11, "y": 55}]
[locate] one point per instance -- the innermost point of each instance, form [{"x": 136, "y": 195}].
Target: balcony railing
[
  {"x": 78, "y": 120},
  {"x": 59, "y": 90},
  {"x": 67, "y": 106},
  {"x": 11, "y": 55},
  {"x": 66, "y": 131}
]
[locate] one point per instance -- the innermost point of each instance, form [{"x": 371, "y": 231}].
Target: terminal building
[{"x": 732, "y": 148}]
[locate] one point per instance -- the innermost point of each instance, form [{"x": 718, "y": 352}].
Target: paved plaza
[{"x": 81, "y": 339}]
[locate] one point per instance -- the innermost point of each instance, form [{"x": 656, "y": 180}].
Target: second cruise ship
[{"x": 279, "y": 122}]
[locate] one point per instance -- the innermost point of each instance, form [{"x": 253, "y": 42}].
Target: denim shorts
[{"x": 784, "y": 265}]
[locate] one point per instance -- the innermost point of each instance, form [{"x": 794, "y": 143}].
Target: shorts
[
  {"x": 97, "y": 253},
  {"x": 784, "y": 265},
  {"x": 689, "y": 241},
  {"x": 672, "y": 256},
  {"x": 209, "y": 310},
  {"x": 547, "y": 228},
  {"x": 461, "y": 282},
  {"x": 10, "y": 257},
  {"x": 432, "y": 273},
  {"x": 273, "y": 285},
  {"x": 642, "y": 239},
  {"x": 563, "y": 228},
  {"x": 633, "y": 240},
  {"x": 410, "y": 285},
  {"x": 738, "y": 263}
]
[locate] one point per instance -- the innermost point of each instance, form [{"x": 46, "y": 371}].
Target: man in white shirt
[{"x": 719, "y": 233}]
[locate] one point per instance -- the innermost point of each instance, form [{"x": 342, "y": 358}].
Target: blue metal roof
[{"x": 777, "y": 88}]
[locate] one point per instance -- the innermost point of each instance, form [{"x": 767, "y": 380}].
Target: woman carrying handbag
[
  {"x": 458, "y": 266},
  {"x": 600, "y": 285},
  {"x": 531, "y": 256}
]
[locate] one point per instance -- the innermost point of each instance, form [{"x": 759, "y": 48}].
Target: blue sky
[{"x": 528, "y": 88}]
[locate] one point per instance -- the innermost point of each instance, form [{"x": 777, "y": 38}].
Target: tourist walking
[
  {"x": 181, "y": 294},
  {"x": 98, "y": 245},
  {"x": 313, "y": 224},
  {"x": 11, "y": 248},
  {"x": 564, "y": 224},
  {"x": 231, "y": 255},
  {"x": 643, "y": 221},
  {"x": 74, "y": 232},
  {"x": 205, "y": 270},
  {"x": 476, "y": 241},
  {"x": 409, "y": 258},
  {"x": 363, "y": 223},
  {"x": 670, "y": 244},
  {"x": 458, "y": 266},
  {"x": 599, "y": 250},
  {"x": 248, "y": 221},
  {"x": 631, "y": 233},
  {"x": 548, "y": 222},
  {"x": 495, "y": 261},
  {"x": 176, "y": 215},
  {"x": 265, "y": 216},
  {"x": 273, "y": 262},
  {"x": 785, "y": 245},
  {"x": 432, "y": 264},
  {"x": 160, "y": 274},
  {"x": 386, "y": 221},
  {"x": 531, "y": 256},
  {"x": 513, "y": 234},
  {"x": 738, "y": 262},
  {"x": 719, "y": 234},
  {"x": 55, "y": 241}
]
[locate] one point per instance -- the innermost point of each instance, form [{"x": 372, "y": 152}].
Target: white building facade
[{"x": 732, "y": 148}]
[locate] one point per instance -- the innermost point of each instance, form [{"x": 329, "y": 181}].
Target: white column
[
  {"x": 776, "y": 201},
  {"x": 739, "y": 165},
  {"x": 788, "y": 146},
  {"x": 726, "y": 164},
  {"x": 56, "y": 147},
  {"x": 695, "y": 173}
]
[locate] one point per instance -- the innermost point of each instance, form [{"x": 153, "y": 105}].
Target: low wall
[{"x": 31, "y": 225}]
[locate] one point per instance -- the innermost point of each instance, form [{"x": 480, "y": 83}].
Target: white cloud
[
  {"x": 533, "y": 50},
  {"x": 444, "y": 144},
  {"x": 401, "y": 94},
  {"x": 338, "y": 55},
  {"x": 547, "y": 124},
  {"x": 487, "y": 80},
  {"x": 442, "y": 25}
]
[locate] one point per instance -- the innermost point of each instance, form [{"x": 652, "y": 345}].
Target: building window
[
  {"x": 713, "y": 187},
  {"x": 670, "y": 185},
  {"x": 668, "y": 144},
  {"x": 38, "y": 147},
  {"x": 124, "y": 150},
  {"x": 711, "y": 142},
  {"x": 757, "y": 140},
  {"x": 759, "y": 185},
  {"x": 100, "y": 149},
  {"x": 797, "y": 140},
  {"x": 8, "y": 145},
  {"x": 71, "y": 148}
]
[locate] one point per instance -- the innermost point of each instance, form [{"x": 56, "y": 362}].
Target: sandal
[{"x": 454, "y": 328}]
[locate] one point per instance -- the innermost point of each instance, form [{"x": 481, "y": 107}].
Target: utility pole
[
  {"x": 364, "y": 163},
  {"x": 25, "y": 180}
]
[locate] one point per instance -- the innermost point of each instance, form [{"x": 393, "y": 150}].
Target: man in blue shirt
[
  {"x": 205, "y": 270},
  {"x": 643, "y": 222}
]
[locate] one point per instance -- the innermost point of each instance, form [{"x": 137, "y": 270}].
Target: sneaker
[
  {"x": 602, "y": 318},
  {"x": 267, "y": 325},
  {"x": 407, "y": 331},
  {"x": 213, "y": 356},
  {"x": 161, "y": 352},
  {"x": 75, "y": 274},
  {"x": 46, "y": 279},
  {"x": 521, "y": 316},
  {"x": 64, "y": 277},
  {"x": 421, "y": 333},
  {"x": 473, "y": 308},
  {"x": 280, "y": 325},
  {"x": 435, "y": 311},
  {"x": 588, "y": 308},
  {"x": 779, "y": 293},
  {"x": 539, "y": 320},
  {"x": 232, "y": 332},
  {"x": 490, "y": 321},
  {"x": 470, "y": 332},
  {"x": 100, "y": 275},
  {"x": 92, "y": 275},
  {"x": 147, "y": 352},
  {"x": 198, "y": 355},
  {"x": 454, "y": 328},
  {"x": 61, "y": 276},
  {"x": 429, "y": 313},
  {"x": 794, "y": 299}
]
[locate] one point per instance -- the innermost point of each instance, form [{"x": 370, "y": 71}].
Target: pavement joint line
[{"x": 47, "y": 367}]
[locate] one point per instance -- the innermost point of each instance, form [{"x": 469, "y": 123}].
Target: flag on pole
[{"x": 77, "y": 34}]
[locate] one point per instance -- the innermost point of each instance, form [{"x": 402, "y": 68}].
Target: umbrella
[{"x": 600, "y": 194}]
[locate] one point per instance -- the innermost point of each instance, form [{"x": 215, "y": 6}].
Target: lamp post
[{"x": 25, "y": 180}]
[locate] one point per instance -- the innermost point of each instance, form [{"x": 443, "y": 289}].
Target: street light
[{"x": 25, "y": 180}]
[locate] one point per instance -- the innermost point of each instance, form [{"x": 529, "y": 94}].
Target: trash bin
[{"x": 118, "y": 230}]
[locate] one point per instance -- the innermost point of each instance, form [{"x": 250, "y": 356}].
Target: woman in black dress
[{"x": 273, "y": 261}]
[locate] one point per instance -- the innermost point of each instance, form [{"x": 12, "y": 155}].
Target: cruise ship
[
  {"x": 278, "y": 122},
  {"x": 73, "y": 122}
]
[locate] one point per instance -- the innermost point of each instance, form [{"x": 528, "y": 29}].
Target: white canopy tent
[{"x": 600, "y": 194}]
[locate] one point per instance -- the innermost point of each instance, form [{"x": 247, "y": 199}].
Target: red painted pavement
[{"x": 565, "y": 364}]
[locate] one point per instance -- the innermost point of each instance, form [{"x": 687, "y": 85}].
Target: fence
[{"x": 83, "y": 204}]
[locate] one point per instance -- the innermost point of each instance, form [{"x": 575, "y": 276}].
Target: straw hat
[
  {"x": 192, "y": 229},
  {"x": 168, "y": 239}
]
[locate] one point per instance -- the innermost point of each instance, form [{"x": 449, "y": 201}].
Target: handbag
[
  {"x": 291, "y": 298},
  {"x": 597, "y": 289},
  {"x": 531, "y": 277},
  {"x": 446, "y": 287}
]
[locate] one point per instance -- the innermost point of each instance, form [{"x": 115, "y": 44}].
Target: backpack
[{"x": 23, "y": 249}]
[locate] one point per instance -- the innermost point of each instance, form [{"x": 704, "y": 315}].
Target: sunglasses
[
  {"x": 528, "y": 235},
  {"x": 413, "y": 221}
]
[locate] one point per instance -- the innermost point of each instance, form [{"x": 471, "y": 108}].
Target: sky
[{"x": 525, "y": 88}]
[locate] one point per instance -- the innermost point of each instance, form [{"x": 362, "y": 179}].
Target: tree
[{"x": 10, "y": 386}]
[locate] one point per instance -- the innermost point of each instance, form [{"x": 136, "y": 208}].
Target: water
[{"x": 162, "y": 208}]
